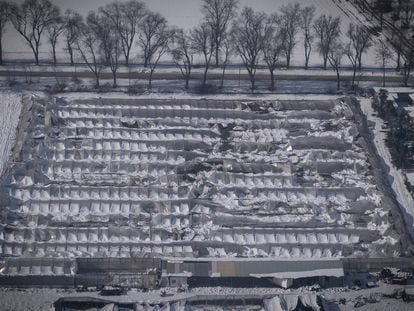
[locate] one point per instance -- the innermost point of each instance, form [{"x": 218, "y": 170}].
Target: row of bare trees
[
  {"x": 395, "y": 18},
  {"x": 110, "y": 33}
]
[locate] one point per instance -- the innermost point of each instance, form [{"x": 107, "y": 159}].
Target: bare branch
[
  {"x": 31, "y": 18},
  {"x": 248, "y": 35},
  {"x": 328, "y": 30},
  {"x": 218, "y": 15}
]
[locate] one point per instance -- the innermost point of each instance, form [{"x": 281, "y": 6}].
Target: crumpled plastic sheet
[{"x": 290, "y": 302}]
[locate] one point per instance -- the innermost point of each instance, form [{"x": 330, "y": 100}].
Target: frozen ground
[{"x": 10, "y": 107}]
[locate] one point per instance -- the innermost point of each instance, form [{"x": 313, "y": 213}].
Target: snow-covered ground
[
  {"x": 40, "y": 299},
  {"x": 188, "y": 16},
  {"x": 10, "y": 107},
  {"x": 396, "y": 177}
]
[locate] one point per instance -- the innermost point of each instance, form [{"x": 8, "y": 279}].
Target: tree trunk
[
  {"x": 252, "y": 81},
  {"x": 325, "y": 62},
  {"x": 1, "y": 48},
  {"x": 407, "y": 71},
  {"x": 287, "y": 60},
  {"x": 383, "y": 73},
  {"x": 114, "y": 78},
  {"x": 150, "y": 80},
  {"x": 353, "y": 76},
  {"x": 70, "y": 54},
  {"x": 222, "y": 77},
  {"x": 187, "y": 78},
  {"x": 54, "y": 53},
  {"x": 398, "y": 68},
  {"x": 205, "y": 76},
  {"x": 360, "y": 62},
  {"x": 36, "y": 51},
  {"x": 127, "y": 58},
  {"x": 217, "y": 55},
  {"x": 272, "y": 80},
  {"x": 36, "y": 55},
  {"x": 338, "y": 82},
  {"x": 107, "y": 58},
  {"x": 97, "y": 80},
  {"x": 307, "y": 54}
]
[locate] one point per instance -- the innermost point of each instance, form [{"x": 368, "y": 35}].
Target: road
[{"x": 171, "y": 75}]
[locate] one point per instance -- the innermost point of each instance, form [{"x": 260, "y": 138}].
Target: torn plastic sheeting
[{"x": 290, "y": 302}]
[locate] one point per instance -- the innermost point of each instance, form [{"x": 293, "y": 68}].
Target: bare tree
[
  {"x": 183, "y": 54},
  {"x": 114, "y": 45},
  {"x": 272, "y": 47},
  {"x": 106, "y": 32},
  {"x": 54, "y": 30},
  {"x": 31, "y": 18},
  {"x": 307, "y": 15},
  {"x": 126, "y": 18},
  {"x": 407, "y": 10},
  {"x": 72, "y": 22},
  {"x": 248, "y": 36},
  {"x": 90, "y": 49},
  {"x": 383, "y": 6},
  {"x": 403, "y": 14},
  {"x": 328, "y": 30},
  {"x": 396, "y": 42},
  {"x": 350, "y": 53},
  {"x": 102, "y": 27},
  {"x": 5, "y": 14},
  {"x": 218, "y": 15},
  {"x": 336, "y": 52},
  {"x": 408, "y": 64},
  {"x": 154, "y": 40},
  {"x": 150, "y": 30},
  {"x": 360, "y": 40},
  {"x": 289, "y": 25},
  {"x": 383, "y": 54},
  {"x": 227, "y": 51},
  {"x": 203, "y": 42}
]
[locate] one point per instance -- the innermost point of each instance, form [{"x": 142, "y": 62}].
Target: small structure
[{"x": 237, "y": 272}]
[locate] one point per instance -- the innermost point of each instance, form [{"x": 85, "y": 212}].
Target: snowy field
[
  {"x": 187, "y": 14},
  {"x": 10, "y": 107}
]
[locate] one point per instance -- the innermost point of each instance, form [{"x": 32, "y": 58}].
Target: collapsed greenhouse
[{"x": 181, "y": 179}]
